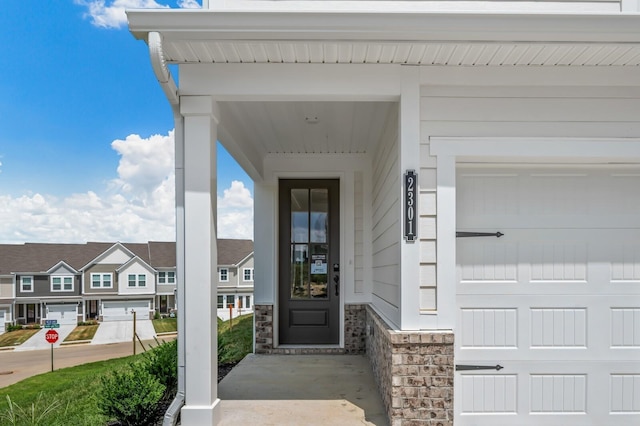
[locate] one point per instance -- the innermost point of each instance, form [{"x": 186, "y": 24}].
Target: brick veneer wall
[
  {"x": 355, "y": 321},
  {"x": 414, "y": 372},
  {"x": 263, "y": 317},
  {"x": 354, "y": 333}
]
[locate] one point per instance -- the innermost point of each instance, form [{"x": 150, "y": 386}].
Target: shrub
[
  {"x": 156, "y": 315},
  {"x": 162, "y": 363},
  {"x": 89, "y": 322},
  {"x": 13, "y": 327},
  {"x": 131, "y": 395},
  {"x": 32, "y": 327}
]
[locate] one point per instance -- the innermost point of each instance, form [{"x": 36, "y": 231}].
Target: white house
[{"x": 382, "y": 137}]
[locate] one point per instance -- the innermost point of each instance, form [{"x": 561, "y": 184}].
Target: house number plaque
[{"x": 410, "y": 206}]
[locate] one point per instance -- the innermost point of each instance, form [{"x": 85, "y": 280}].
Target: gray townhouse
[
  {"x": 107, "y": 281},
  {"x": 235, "y": 275}
]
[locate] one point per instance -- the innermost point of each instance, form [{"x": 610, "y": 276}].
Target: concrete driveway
[
  {"x": 122, "y": 331},
  {"x": 37, "y": 341}
]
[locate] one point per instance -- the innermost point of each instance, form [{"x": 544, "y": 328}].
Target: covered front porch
[{"x": 301, "y": 389}]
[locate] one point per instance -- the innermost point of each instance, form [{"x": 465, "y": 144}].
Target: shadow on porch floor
[{"x": 301, "y": 390}]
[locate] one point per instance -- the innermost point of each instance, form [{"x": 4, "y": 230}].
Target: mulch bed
[{"x": 224, "y": 369}]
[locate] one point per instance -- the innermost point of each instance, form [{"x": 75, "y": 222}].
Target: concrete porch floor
[{"x": 301, "y": 390}]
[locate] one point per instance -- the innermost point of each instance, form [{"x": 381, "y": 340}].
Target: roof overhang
[
  {"x": 346, "y": 26},
  {"x": 425, "y": 38},
  {"x": 478, "y": 39}
]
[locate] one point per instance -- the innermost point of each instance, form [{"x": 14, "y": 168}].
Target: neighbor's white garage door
[
  {"x": 122, "y": 311},
  {"x": 555, "y": 301},
  {"x": 65, "y": 314},
  {"x": 2, "y": 321}
]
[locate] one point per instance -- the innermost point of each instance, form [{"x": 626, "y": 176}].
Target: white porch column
[
  {"x": 200, "y": 261},
  {"x": 409, "y": 160}
]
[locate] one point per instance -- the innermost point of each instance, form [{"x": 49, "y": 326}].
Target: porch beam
[
  {"x": 284, "y": 82},
  {"x": 200, "y": 261}
]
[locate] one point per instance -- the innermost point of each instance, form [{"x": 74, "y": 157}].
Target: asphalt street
[{"x": 18, "y": 365}]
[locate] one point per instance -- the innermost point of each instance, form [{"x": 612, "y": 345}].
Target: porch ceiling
[{"x": 305, "y": 127}]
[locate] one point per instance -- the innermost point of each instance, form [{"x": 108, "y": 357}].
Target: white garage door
[
  {"x": 65, "y": 314},
  {"x": 2, "y": 321},
  {"x": 123, "y": 311},
  {"x": 555, "y": 301}
]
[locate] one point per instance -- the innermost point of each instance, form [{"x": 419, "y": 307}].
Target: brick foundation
[
  {"x": 263, "y": 315},
  {"x": 414, "y": 372},
  {"x": 354, "y": 333},
  {"x": 355, "y": 321}
]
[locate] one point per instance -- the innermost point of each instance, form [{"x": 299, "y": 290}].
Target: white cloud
[
  {"x": 188, "y": 4},
  {"x": 136, "y": 206},
  {"x": 235, "y": 212},
  {"x": 111, "y": 14}
]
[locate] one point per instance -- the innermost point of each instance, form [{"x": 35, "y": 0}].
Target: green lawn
[
  {"x": 73, "y": 388},
  {"x": 82, "y": 332},
  {"x": 17, "y": 337},
  {"x": 165, "y": 325},
  {"x": 235, "y": 339}
]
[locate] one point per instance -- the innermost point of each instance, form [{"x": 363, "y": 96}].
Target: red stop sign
[{"x": 51, "y": 336}]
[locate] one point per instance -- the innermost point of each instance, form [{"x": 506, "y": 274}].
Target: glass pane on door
[
  {"x": 309, "y": 243},
  {"x": 300, "y": 271}
]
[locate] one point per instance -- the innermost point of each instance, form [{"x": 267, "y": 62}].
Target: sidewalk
[{"x": 37, "y": 341}]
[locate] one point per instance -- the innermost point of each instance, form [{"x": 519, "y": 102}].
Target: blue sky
[{"x": 74, "y": 83}]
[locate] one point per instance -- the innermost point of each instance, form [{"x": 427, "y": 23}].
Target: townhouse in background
[
  {"x": 235, "y": 276},
  {"x": 106, "y": 281}
]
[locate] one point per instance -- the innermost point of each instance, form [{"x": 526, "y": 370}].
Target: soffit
[{"x": 408, "y": 53}]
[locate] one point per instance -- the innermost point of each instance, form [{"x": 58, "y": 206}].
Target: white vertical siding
[
  {"x": 530, "y": 111},
  {"x": 358, "y": 233},
  {"x": 386, "y": 226}
]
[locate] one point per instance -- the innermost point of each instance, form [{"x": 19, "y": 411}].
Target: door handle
[{"x": 336, "y": 279}]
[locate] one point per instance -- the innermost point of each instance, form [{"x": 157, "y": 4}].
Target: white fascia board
[
  {"x": 106, "y": 253},
  {"x": 245, "y": 259},
  {"x": 401, "y": 26},
  {"x": 133, "y": 260},
  {"x": 63, "y": 264}
]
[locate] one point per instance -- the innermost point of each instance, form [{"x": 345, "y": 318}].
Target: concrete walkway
[
  {"x": 301, "y": 390},
  {"x": 122, "y": 331},
  {"x": 38, "y": 341}
]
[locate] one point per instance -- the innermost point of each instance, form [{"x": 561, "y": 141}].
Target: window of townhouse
[
  {"x": 224, "y": 275},
  {"x": 62, "y": 283},
  {"x": 225, "y": 300},
  {"x": 26, "y": 284},
  {"x": 247, "y": 275},
  {"x": 101, "y": 281},
  {"x": 168, "y": 277},
  {"x": 137, "y": 280}
]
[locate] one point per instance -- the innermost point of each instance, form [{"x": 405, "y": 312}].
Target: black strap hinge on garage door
[
  {"x": 461, "y": 234},
  {"x": 496, "y": 367}
]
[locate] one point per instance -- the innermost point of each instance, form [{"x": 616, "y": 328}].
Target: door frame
[
  {"x": 331, "y": 331},
  {"x": 345, "y": 184}
]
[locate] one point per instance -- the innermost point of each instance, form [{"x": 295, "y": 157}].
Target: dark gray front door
[{"x": 309, "y": 268}]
